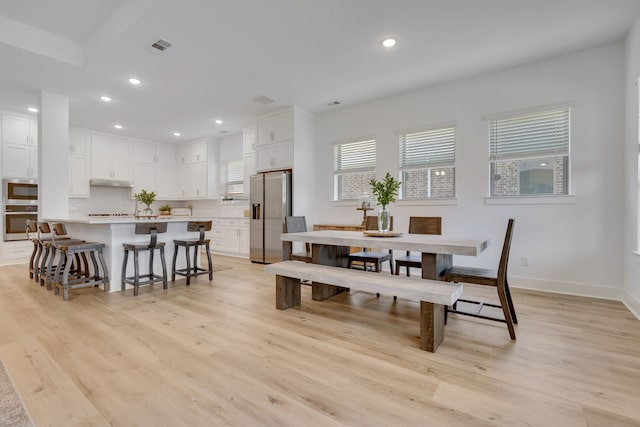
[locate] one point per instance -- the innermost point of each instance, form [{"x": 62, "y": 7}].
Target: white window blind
[
  {"x": 354, "y": 157},
  {"x": 234, "y": 177},
  {"x": 354, "y": 165},
  {"x": 534, "y": 135},
  {"x": 433, "y": 148}
]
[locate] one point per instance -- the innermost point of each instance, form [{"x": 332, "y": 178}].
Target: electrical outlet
[{"x": 524, "y": 261}]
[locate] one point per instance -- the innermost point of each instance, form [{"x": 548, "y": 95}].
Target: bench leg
[
  {"x": 321, "y": 292},
  {"x": 431, "y": 325},
  {"x": 287, "y": 292}
]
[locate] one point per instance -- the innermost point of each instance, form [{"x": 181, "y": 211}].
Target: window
[
  {"x": 529, "y": 154},
  {"x": 233, "y": 177},
  {"x": 427, "y": 164},
  {"x": 354, "y": 166}
]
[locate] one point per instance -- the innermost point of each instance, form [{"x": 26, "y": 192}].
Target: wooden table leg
[
  {"x": 431, "y": 325},
  {"x": 433, "y": 265},
  {"x": 287, "y": 292},
  {"x": 432, "y": 316},
  {"x": 335, "y": 256}
]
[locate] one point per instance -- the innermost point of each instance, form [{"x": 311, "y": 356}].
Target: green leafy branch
[
  {"x": 385, "y": 190},
  {"x": 145, "y": 197}
]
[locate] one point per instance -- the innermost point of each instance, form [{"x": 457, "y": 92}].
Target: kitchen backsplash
[{"x": 118, "y": 200}]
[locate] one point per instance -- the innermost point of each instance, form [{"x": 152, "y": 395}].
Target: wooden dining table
[{"x": 331, "y": 247}]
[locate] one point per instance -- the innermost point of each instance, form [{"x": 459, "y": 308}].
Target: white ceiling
[{"x": 298, "y": 52}]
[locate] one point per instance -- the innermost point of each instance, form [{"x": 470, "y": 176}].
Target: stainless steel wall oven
[{"x": 20, "y": 203}]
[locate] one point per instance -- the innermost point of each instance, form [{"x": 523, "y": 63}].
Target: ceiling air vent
[
  {"x": 161, "y": 45},
  {"x": 263, "y": 100}
]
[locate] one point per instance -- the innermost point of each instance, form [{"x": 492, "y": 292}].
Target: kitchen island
[{"x": 114, "y": 231}]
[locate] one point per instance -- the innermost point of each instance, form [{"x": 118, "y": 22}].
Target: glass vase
[{"x": 384, "y": 222}]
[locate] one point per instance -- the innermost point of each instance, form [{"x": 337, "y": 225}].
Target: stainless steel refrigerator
[{"x": 270, "y": 204}]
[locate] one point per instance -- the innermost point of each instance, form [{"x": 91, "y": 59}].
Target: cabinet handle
[
  {"x": 271, "y": 136},
  {"x": 272, "y": 162}
]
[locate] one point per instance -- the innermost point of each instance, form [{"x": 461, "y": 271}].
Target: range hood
[{"x": 111, "y": 183}]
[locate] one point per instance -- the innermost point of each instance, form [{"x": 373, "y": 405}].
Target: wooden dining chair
[
  {"x": 418, "y": 225},
  {"x": 481, "y": 276},
  {"x": 296, "y": 224},
  {"x": 366, "y": 256}
]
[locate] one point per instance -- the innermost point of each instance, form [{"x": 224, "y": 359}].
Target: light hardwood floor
[{"x": 219, "y": 353}]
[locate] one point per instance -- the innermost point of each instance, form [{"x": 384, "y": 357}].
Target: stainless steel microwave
[{"x": 20, "y": 191}]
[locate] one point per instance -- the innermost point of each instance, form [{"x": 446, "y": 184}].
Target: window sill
[
  {"x": 345, "y": 203},
  {"x": 453, "y": 201},
  {"x": 531, "y": 200},
  {"x": 450, "y": 201}
]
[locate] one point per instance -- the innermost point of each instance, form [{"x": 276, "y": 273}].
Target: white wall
[
  {"x": 573, "y": 248},
  {"x": 631, "y": 259}
]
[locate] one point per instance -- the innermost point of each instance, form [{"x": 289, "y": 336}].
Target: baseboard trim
[
  {"x": 568, "y": 288},
  {"x": 632, "y": 303}
]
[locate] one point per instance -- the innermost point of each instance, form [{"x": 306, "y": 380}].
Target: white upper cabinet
[
  {"x": 165, "y": 154},
  {"x": 276, "y": 128},
  {"x": 17, "y": 130},
  {"x": 249, "y": 139},
  {"x": 150, "y": 152},
  {"x": 78, "y": 176},
  {"x": 195, "y": 152},
  {"x": 79, "y": 142},
  {"x": 19, "y": 161},
  {"x": 275, "y": 156},
  {"x": 144, "y": 152},
  {"x": 111, "y": 158}
]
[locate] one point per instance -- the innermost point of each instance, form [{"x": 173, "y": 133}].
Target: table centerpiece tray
[{"x": 376, "y": 233}]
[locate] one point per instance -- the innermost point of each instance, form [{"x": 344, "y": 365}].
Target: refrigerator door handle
[{"x": 255, "y": 208}]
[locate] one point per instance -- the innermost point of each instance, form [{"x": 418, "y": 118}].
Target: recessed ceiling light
[
  {"x": 117, "y": 126},
  {"x": 176, "y": 134},
  {"x": 389, "y": 42},
  {"x": 543, "y": 164},
  {"x": 135, "y": 81},
  {"x": 32, "y": 109},
  {"x": 218, "y": 122},
  {"x": 105, "y": 98}
]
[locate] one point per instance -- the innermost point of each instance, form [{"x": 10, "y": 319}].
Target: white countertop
[{"x": 126, "y": 219}]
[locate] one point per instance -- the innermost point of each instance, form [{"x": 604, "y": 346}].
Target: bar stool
[
  {"x": 153, "y": 229},
  {"x": 35, "y": 235},
  {"x": 59, "y": 236},
  {"x": 200, "y": 226},
  {"x": 80, "y": 279}
]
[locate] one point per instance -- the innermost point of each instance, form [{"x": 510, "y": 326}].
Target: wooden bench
[{"x": 433, "y": 295}]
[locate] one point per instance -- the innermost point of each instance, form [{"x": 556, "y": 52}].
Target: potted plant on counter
[
  {"x": 165, "y": 210},
  {"x": 147, "y": 198},
  {"x": 385, "y": 192}
]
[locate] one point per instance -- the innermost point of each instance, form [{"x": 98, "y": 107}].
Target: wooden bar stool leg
[
  {"x": 209, "y": 261},
  {"x": 195, "y": 258},
  {"x": 94, "y": 262},
  {"x": 85, "y": 264},
  {"x": 65, "y": 279},
  {"x": 49, "y": 271},
  {"x": 43, "y": 266},
  {"x": 186, "y": 251},
  {"x": 136, "y": 269},
  {"x": 32, "y": 260},
  {"x": 173, "y": 268},
  {"x": 124, "y": 269},
  {"x": 164, "y": 268},
  {"x": 36, "y": 265},
  {"x": 151, "y": 251},
  {"x": 105, "y": 271},
  {"x": 57, "y": 273}
]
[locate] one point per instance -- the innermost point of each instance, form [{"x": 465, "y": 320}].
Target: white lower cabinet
[
  {"x": 16, "y": 252},
  {"x": 230, "y": 236}
]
